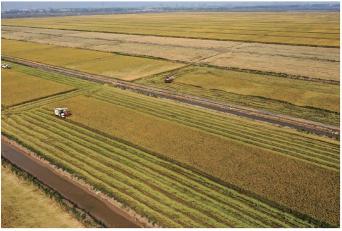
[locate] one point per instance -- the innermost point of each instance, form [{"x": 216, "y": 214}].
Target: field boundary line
[
  {"x": 40, "y": 98},
  {"x": 270, "y": 73}
]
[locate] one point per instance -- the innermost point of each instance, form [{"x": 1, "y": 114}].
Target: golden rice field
[
  {"x": 229, "y": 159},
  {"x": 170, "y": 141},
  {"x": 298, "y": 92},
  {"x": 310, "y": 28},
  {"x": 24, "y": 205},
  {"x": 179, "y": 165},
  {"x": 18, "y": 87},
  {"x": 102, "y": 63}
]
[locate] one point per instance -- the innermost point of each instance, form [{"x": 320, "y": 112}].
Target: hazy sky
[{"x": 51, "y": 4}]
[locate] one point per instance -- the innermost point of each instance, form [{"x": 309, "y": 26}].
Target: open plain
[{"x": 179, "y": 164}]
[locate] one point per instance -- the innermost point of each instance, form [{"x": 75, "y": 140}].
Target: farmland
[
  {"x": 313, "y": 62},
  {"x": 168, "y": 160},
  {"x": 19, "y": 87},
  {"x": 297, "y": 98},
  {"x": 319, "y": 102},
  {"x": 297, "y": 92},
  {"x": 160, "y": 116},
  {"x": 24, "y": 205},
  {"x": 283, "y": 28},
  {"x": 111, "y": 65}
]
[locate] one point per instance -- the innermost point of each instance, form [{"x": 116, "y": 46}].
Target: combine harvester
[
  {"x": 5, "y": 66},
  {"x": 62, "y": 112}
]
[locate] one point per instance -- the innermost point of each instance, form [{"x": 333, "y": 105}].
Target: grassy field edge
[{"x": 82, "y": 216}]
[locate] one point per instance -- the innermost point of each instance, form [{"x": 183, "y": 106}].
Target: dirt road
[
  {"x": 276, "y": 119},
  {"x": 108, "y": 214}
]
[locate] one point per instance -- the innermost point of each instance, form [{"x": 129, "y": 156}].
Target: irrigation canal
[{"x": 108, "y": 214}]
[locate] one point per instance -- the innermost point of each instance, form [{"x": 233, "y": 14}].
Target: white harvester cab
[
  {"x": 62, "y": 112},
  {"x": 5, "y": 66}
]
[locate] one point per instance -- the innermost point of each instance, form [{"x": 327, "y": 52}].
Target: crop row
[
  {"x": 166, "y": 193},
  {"x": 314, "y": 151}
]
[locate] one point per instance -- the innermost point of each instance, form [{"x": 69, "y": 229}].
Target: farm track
[
  {"x": 282, "y": 120},
  {"x": 167, "y": 193}
]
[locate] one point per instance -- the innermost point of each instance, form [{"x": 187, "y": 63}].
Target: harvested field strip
[
  {"x": 319, "y": 155},
  {"x": 275, "y": 106},
  {"x": 198, "y": 193}
]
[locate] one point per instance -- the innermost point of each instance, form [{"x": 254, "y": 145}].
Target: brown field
[
  {"x": 18, "y": 87},
  {"x": 314, "y": 62},
  {"x": 296, "y": 184}
]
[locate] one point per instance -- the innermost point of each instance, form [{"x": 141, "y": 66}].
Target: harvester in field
[
  {"x": 62, "y": 112},
  {"x": 5, "y": 66},
  {"x": 169, "y": 79}
]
